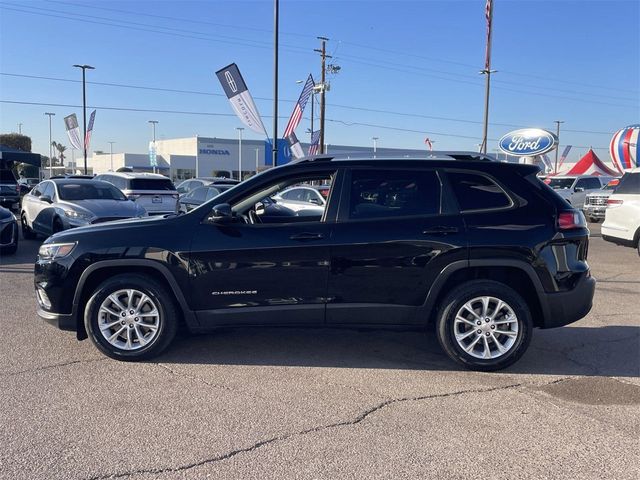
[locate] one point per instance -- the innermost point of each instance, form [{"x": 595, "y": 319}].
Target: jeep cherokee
[{"x": 483, "y": 250}]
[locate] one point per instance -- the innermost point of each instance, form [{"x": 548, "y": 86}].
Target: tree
[
  {"x": 61, "y": 149},
  {"x": 17, "y": 141}
]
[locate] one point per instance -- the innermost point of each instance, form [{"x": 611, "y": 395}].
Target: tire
[
  {"x": 27, "y": 233},
  {"x": 127, "y": 344},
  {"x": 454, "y": 309}
]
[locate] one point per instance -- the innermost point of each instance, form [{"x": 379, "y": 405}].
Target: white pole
[
  {"x": 111, "y": 153},
  {"x": 49, "y": 114},
  {"x": 257, "y": 161},
  {"x": 240, "y": 129}
]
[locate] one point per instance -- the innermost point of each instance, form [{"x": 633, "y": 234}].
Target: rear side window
[
  {"x": 198, "y": 194},
  {"x": 393, "y": 193},
  {"x": 151, "y": 184},
  {"x": 629, "y": 184},
  {"x": 477, "y": 192}
]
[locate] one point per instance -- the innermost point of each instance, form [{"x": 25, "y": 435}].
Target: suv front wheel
[
  {"x": 484, "y": 325},
  {"x": 131, "y": 317}
]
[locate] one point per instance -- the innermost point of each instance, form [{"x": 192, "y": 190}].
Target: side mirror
[
  {"x": 221, "y": 213},
  {"x": 46, "y": 198},
  {"x": 578, "y": 189},
  {"x": 315, "y": 201}
]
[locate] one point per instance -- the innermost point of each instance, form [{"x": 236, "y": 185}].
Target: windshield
[
  {"x": 89, "y": 191},
  {"x": 560, "y": 183}
]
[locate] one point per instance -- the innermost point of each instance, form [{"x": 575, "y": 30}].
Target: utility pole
[
  {"x": 557, "y": 122},
  {"x": 274, "y": 146},
  {"x": 111, "y": 153},
  {"x": 323, "y": 87},
  {"x": 240, "y": 129},
  {"x": 20, "y": 128},
  {"x": 49, "y": 114},
  {"x": 257, "y": 160},
  {"x": 375, "y": 145},
  {"x": 487, "y": 71},
  {"x": 84, "y": 111}
]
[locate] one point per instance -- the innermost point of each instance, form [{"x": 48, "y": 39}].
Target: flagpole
[
  {"x": 274, "y": 145},
  {"x": 487, "y": 71}
]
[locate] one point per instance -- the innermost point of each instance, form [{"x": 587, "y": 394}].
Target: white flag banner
[
  {"x": 73, "y": 130},
  {"x": 294, "y": 146},
  {"x": 240, "y": 98}
]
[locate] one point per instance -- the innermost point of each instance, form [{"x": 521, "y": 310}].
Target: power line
[
  {"x": 299, "y": 50},
  {"x": 358, "y": 45},
  {"x": 348, "y": 107},
  {"x": 342, "y": 122}
]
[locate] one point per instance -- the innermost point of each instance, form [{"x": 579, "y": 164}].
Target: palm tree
[{"x": 61, "y": 149}]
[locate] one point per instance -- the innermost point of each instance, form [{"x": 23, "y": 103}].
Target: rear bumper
[
  {"x": 60, "y": 320},
  {"x": 564, "y": 308}
]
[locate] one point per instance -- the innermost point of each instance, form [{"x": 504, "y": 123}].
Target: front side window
[
  {"x": 588, "y": 183},
  {"x": 477, "y": 192},
  {"x": 48, "y": 190},
  {"x": 198, "y": 194},
  {"x": 266, "y": 205},
  {"x": 393, "y": 193}
]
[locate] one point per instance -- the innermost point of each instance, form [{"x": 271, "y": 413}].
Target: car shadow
[{"x": 604, "y": 351}]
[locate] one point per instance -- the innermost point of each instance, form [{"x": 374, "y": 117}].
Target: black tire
[
  {"x": 457, "y": 298},
  {"x": 27, "y": 233},
  {"x": 168, "y": 316}
]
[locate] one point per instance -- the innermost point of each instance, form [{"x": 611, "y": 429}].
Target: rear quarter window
[
  {"x": 629, "y": 184},
  {"x": 151, "y": 184},
  {"x": 7, "y": 176},
  {"x": 477, "y": 192}
]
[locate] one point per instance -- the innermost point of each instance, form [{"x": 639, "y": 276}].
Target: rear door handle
[
  {"x": 306, "y": 236},
  {"x": 440, "y": 230}
]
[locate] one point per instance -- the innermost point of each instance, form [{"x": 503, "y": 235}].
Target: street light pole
[
  {"x": 257, "y": 160},
  {"x": 557, "y": 122},
  {"x": 20, "y": 129},
  {"x": 240, "y": 129},
  {"x": 276, "y": 21},
  {"x": 375, "y": 145},
  {"x": 111, "y": 153},
  {"x": 84, "y": 111},
  {"x": 153, "y": 128},
  {"x": 49, "y": 114}
]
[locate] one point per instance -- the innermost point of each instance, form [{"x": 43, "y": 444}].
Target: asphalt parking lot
[{"x": 323, "y": 404}]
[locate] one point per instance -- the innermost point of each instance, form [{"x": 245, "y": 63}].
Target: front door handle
[
  {"x": 306, "y": 236},
  {"x": 440, "y": 230}
]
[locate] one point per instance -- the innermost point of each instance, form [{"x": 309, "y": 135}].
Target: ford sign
[{"x": 528, "y": 142}]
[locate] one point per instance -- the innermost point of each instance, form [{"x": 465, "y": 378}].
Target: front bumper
[
  {"x": 594, "y": 212},
  {"x": 563, "y": 308},
  {"x": 61, "y": 320}
]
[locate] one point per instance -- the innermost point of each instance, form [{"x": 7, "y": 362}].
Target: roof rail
[{"x": 465, "y": 156}]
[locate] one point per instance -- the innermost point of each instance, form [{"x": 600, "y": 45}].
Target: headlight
[
  {"x": 79, "y": 215},
  {"x": 51, "y": 251}
]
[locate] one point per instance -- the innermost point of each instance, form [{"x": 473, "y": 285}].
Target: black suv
[{"x": 482, "y": 249}]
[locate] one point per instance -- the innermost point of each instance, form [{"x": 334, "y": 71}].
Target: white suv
[
  {"x": 622, "y": 216},
  {"x": 574, "y": 188},
  {"x": 155, "y": 192}
]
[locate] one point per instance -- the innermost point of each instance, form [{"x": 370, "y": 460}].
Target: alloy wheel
[{"x": 486, "y": 327}]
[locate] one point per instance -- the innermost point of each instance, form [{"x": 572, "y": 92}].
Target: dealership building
[{"x": 182, "y": 158}]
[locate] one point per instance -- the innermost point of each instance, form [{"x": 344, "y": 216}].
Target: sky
[{"x": 409, "y": 70}]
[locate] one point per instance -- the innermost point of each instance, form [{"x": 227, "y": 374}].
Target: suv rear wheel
[
  {"x": 484, "y": 325},
  {"x": 131, "y": 317}
]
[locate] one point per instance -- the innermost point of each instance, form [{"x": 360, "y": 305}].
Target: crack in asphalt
[
  {"x": 195, "y": 378},
  {"x": 49, "y": 367},
  {"x": 355, "y": 421}
]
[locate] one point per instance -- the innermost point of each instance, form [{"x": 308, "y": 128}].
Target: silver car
[
  {"x": 154, "y": 192},
  {"x": 60, "y": 204}
]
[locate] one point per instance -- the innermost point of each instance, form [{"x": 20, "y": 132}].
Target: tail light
[
  {"x": 17, "y": 187},
  {"x": 571, "y": 219},
  {"x": 613, "y": 203}
]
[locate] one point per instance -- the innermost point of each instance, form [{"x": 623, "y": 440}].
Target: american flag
[
  {"x": 488, "y": 13},
  {"x": 87, "y": 138},
  {"x": 427, "y": 142},
  {"x": 315, "y": 143},
  {"x": 296, "y": 116}
]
